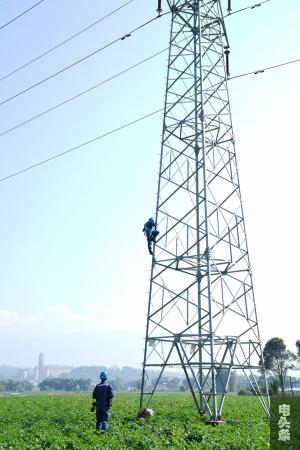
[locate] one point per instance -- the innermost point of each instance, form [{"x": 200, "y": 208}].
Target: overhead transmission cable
[
  {"x": 9, "y": 130},
  {"x": 256, "y": 72},
  {"x": 82, "y": 93},
  {"x": 247, "y": 7},
  {"x": 82, "y": 59},
  {"x": 259, "y": 71},
  {"x": 91, "y": 54},
  {"x": 65, "y": 41},
  {"x": 72, "y": 149},
  {"x": 58, "y": 155},
  {"x": 95, "y": 23},
  {"x": 20, "y": 15}
]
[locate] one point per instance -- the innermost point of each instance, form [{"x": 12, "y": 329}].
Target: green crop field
[{"x": 38, "y": 422}]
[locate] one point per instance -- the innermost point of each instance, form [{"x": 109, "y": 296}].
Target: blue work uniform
[
  {"x": 148, "y": 228},
  {"x": 151, "y": 233},
  {"x": 103, "y": 394}
]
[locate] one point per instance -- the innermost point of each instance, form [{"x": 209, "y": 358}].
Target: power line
[
  {"x": 115, "y": 76},
  {"x": 256, "y": 72},
  {"x": 58, "y": 155},
  {"x": 22, "y": 14},
  {"x": 247, "y": 7},
  {"x": 65, "y": 41},
  {"x": 81, "y": 59},
  {"x": 82, "y": 93}
]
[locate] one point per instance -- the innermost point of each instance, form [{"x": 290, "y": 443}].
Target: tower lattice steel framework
[{"x": 201, "y": 311}]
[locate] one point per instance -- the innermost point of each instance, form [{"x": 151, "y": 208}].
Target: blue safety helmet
[
  {"x": 103, "y": 375},
  {"x": 151, "y": 220}
]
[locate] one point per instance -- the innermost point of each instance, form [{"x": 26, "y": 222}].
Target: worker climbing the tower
[{"x": 151, "y": 233}]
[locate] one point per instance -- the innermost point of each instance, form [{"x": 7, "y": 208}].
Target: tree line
[
  {"x": 49, "y": 384},
  {"x": 277, "y": 358},
  {"x": 65, "y": 384},
  {"x": 15, "y": 386}
]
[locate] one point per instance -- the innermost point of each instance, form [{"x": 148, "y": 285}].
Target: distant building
[
  {"x": 35, "y": 374},
  {"x": 41, "y": 369},
  {"x": 22, "y": 374}
]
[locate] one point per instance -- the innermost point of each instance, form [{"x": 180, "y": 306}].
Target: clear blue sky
[{"x": 74, "y": 266}]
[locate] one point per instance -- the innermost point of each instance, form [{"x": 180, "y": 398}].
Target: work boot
[{"x": 104, "y": 426}]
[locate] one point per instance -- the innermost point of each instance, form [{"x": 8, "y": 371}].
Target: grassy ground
[{"x": 56, "y": 422}]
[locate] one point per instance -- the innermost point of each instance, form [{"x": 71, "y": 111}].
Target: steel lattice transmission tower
[{"x": 201, "y": 311}]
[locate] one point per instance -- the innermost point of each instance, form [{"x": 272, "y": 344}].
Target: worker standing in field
[{"x": 103, "y": 394}]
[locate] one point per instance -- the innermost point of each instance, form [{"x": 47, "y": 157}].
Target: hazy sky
[{"x": 74, "y": 265}]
